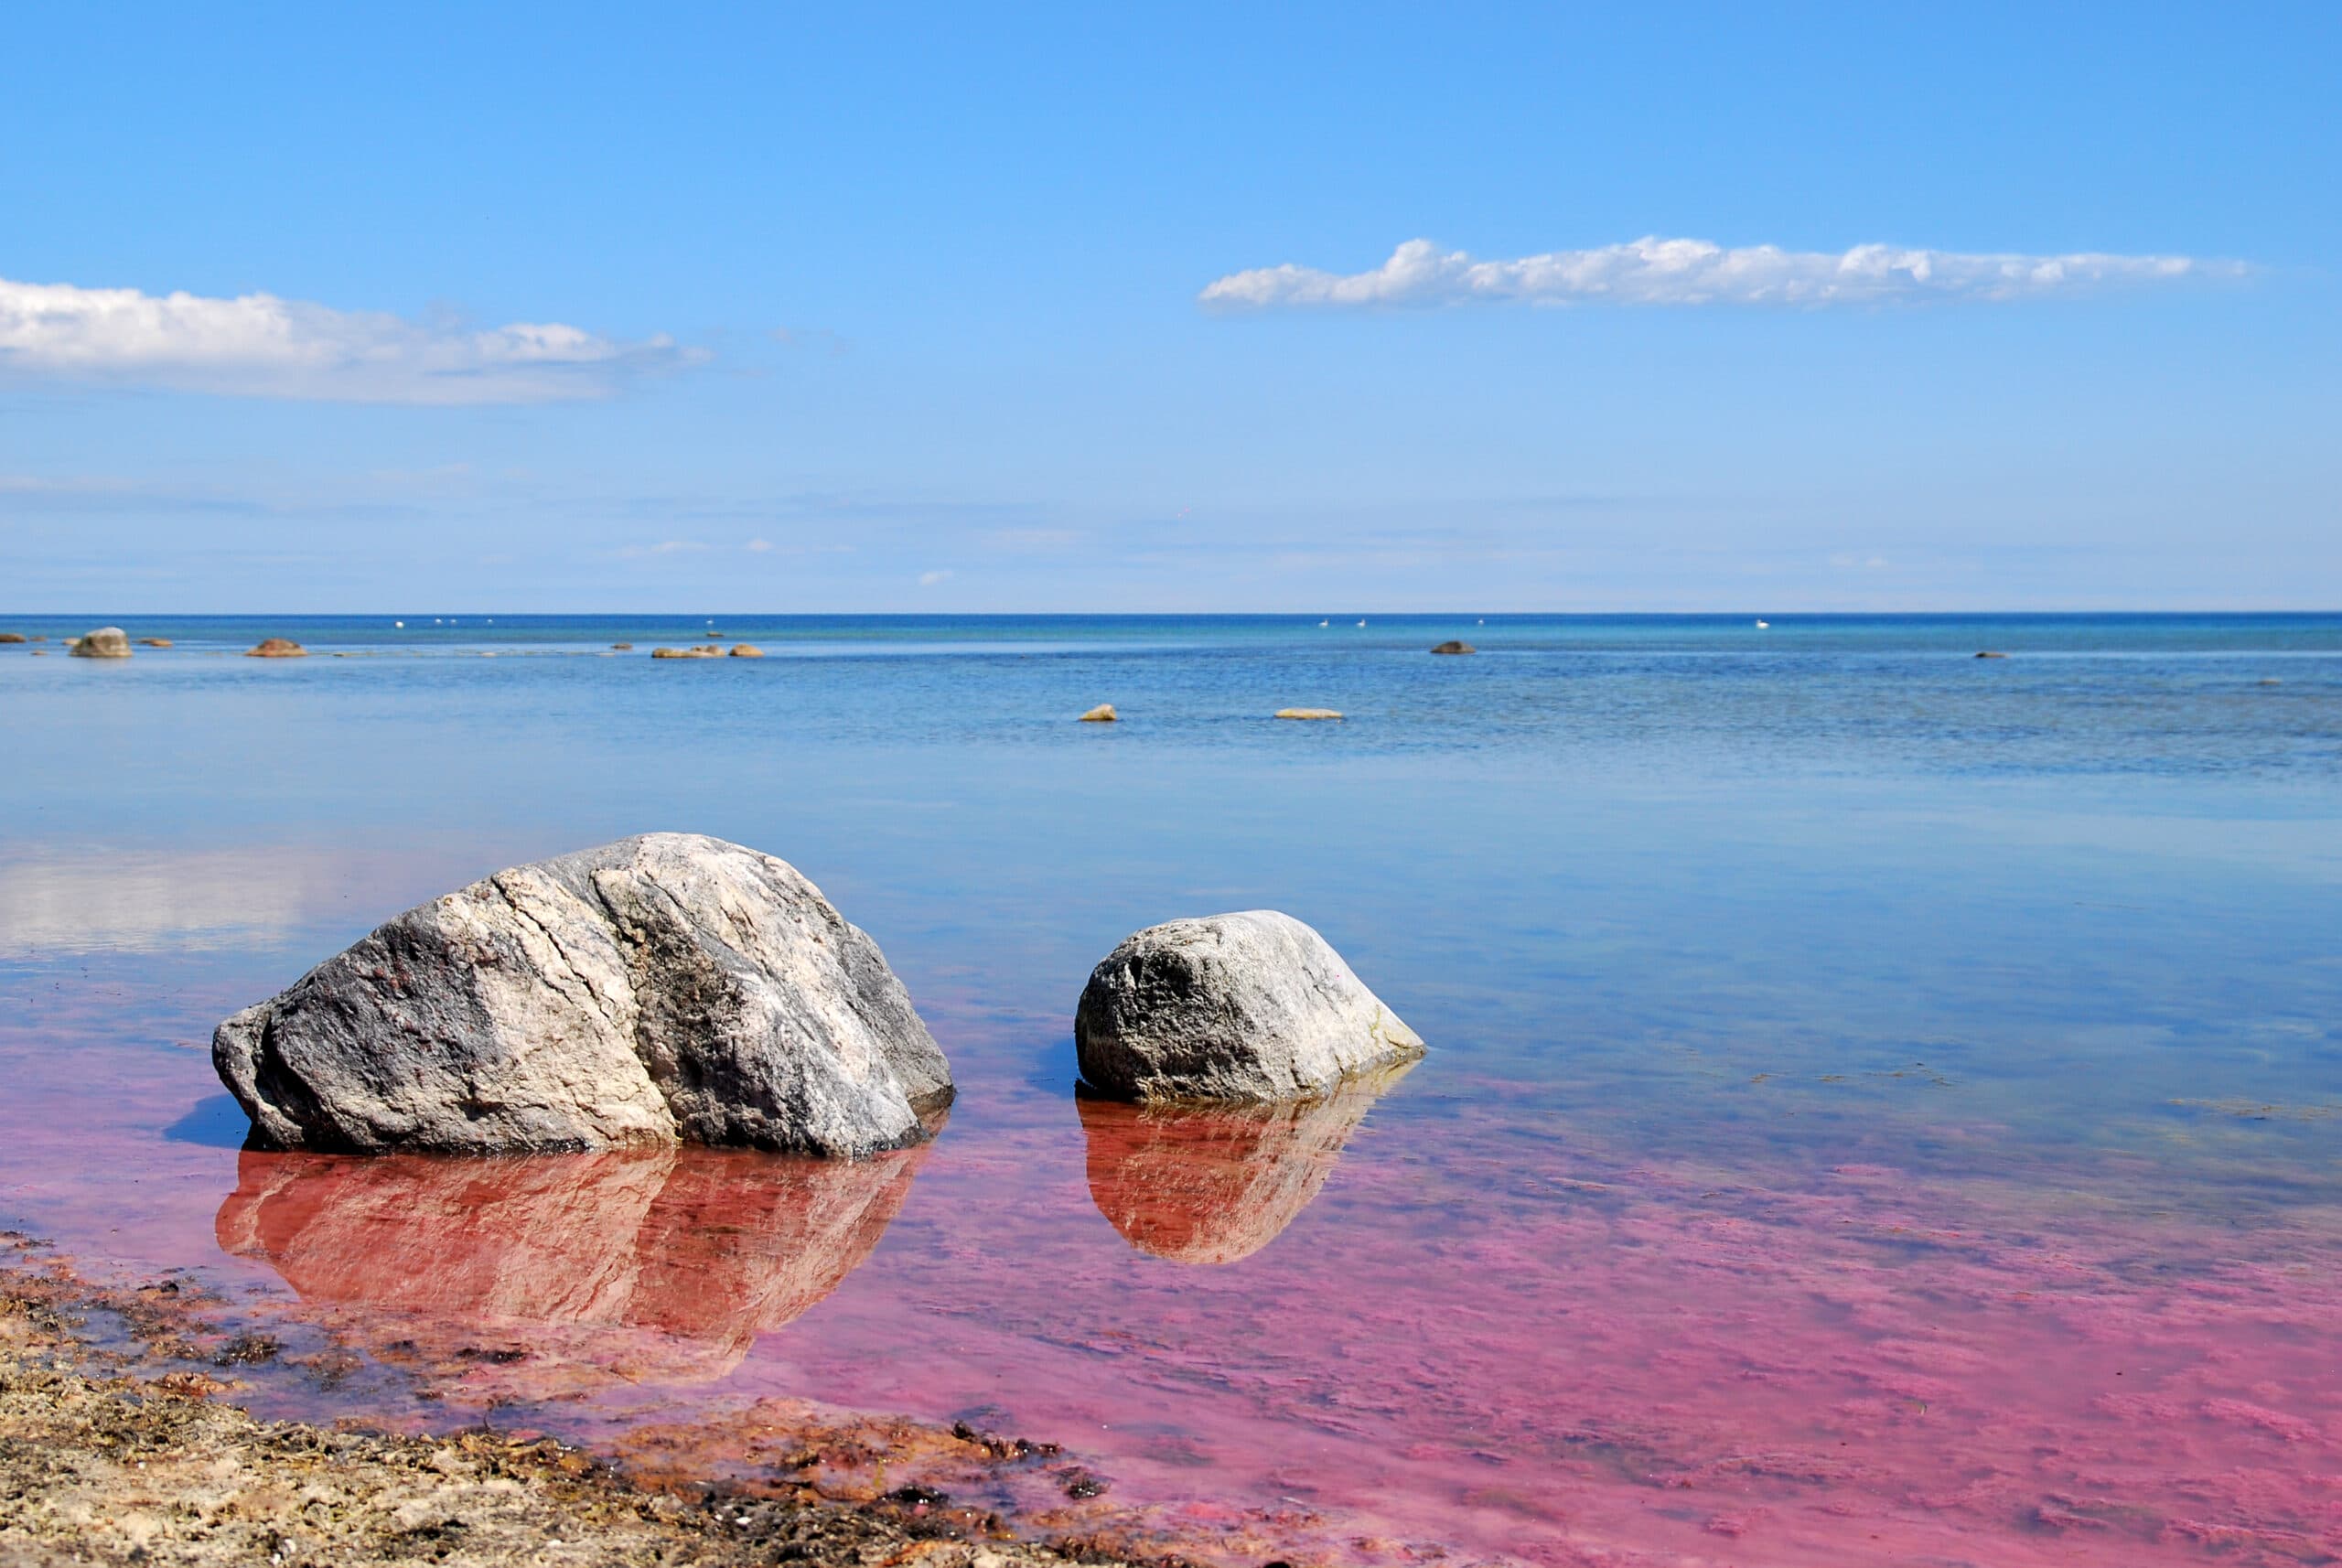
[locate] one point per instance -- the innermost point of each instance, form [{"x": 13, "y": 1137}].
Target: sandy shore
[{"x": 115, "y": 1448}]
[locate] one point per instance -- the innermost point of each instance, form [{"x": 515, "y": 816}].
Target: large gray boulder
[
  {"x": 662, "y": 989},
  {"x": 107, "y": 642},
  {"x": 1246, "y": 1006}
]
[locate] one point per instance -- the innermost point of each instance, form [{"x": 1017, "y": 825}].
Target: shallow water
[{"x": 1884, "y": 1105}]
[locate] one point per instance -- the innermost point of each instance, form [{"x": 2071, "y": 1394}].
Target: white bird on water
[
  {"x": 1324, "y": 623},
  {"x": 1763, "y": 626},
  {"x": 1362, "y": 623}
]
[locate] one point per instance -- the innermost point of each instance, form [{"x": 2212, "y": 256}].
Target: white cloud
[
  {"x": 1694, "y": 272},
  {"x": 928, "y": 579},
  {"x": 257, "y": 344},
  {"x": 758, "y": 546},
  {"x": 664, "y": 547}
]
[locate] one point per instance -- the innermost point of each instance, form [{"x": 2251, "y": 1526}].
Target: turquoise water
[{"x": 1811, "y": 1006}]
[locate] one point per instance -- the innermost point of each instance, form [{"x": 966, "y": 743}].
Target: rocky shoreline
[{"x": 117, "y": 1447}]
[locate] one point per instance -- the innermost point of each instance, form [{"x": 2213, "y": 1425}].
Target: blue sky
[{"x": 763, "y": 309}]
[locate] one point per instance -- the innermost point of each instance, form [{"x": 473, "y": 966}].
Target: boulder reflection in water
[
  {"x": 1212, "y": 1183},
  {"x": 553, "y": 1273}
]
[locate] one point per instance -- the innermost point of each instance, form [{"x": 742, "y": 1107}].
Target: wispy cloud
[
  {"x": 257, "y": 344},
  {"x": 1694, "y": 272},
  {"x": 928, "y": 579},
  {"x": 1034, "y": 540},
  {"x": 664, "y": 547}
]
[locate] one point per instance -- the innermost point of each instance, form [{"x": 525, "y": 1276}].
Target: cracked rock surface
[
  {"x": 1252, "y": 1006},
  {"x": 669, "y": 988}
]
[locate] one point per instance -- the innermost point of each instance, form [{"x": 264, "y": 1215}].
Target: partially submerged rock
[
  {"x": 662, "y": 989},
  {"x": 107, "y": 642},
  {"x": 1991, "y": 653},
  {"x": 1454, "y": 647},
  {"x": 12, "y": 636},
  {"x": 685, "y": 652},
  {"x": 1104, "y": 714},
  {"x": 1253, "y": 1005},
  {"x": 747, "y": 650},
  {"x": 1214, "y": 1184},
  {"x": 153, "y": 642},
  {"x": 277, "y": 647},
  {"x": 1308, "y": 713},
  {"x": 637, "y": 1265}
]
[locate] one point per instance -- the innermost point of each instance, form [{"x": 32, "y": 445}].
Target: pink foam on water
[{"x": 1513, "y": 1339}]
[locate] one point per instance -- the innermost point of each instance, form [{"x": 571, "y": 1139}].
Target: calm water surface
[{"x": 1884, "y": 1105}]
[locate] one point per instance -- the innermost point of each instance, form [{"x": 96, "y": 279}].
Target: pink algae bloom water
[{"x": 1294, "y": 1331}]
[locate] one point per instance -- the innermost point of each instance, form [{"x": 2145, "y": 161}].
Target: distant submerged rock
[
  {"x": 1252, "y": 1005},
  {"x": 662, "y": 989},
  {"x": 1989, "y": 653},
  {"x": 1454, "y": 647},
  {"x": 277, "y": 647},
  {"x": 107, "y": 642},
  {"x": 1308, "y": 713},
  {"x": 1104, "y": 714},
  {"x": 153, "y": 642}
]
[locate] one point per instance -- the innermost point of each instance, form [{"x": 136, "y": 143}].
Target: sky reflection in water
[{"x": 1879, "y": 1105}]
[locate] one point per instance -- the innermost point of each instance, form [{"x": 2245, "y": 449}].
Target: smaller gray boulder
[
  {"x": 107, "y": 642},
  {"x": 1249, "y": 1007}
]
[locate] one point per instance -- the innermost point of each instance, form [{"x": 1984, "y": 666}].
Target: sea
[{"x": 1883, "y": 1104}]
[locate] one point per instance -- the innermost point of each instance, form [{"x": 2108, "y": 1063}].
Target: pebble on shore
[
  {"x": 1308, "y": 713},
  {"x": 1104, "y": 714},
  {"x": 277, "y": 647}
]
